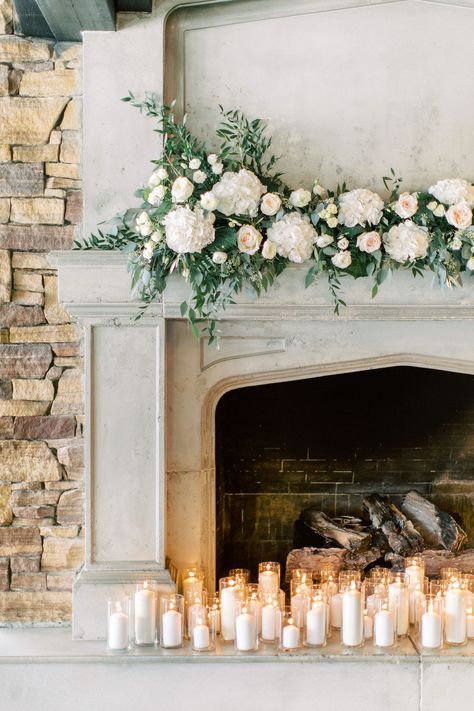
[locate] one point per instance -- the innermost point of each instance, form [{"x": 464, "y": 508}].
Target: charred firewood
[
  {"x": 401, "y": 535},
  {"x": 324, "y": 526},
  {"x": 438, "y": 528}
]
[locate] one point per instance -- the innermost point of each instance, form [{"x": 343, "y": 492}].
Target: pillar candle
[
  {"x": 298, "y": 604},
  {"x": 399, "y": 605},
  {"x": 200, "y": 636},
  {"x": 192, "y": 585},
  {"x": 290, "y": 637},
  {"x": 352, "y": 621},
  {"x": 431, "y": 629},
  {"x": 228, "y": 599},
  {"x": 171, "y": 629},
  {"x": 245, "y": 631},
  {"x": 383, "y": 628},
  {"x": 215, "y": 619},
  {"x": 368, "y": 626},
  {"x": 455, "y": 615},
  {"x": 199, "y": 611},
  {"x": 118, "y": 630},
  {"x": 417, "y": 599},
  {"x": 269, "y": 582},
  {"x": 316, "y": 623},
  {"x": 415, "y": 576},
  {"x": 336, "y": 610},
  {"x": 145, "y": 616},
  {"x": 268, "y": 623},
  {"x": 470, "y": 625}
]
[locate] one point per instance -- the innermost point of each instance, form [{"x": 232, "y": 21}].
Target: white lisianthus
[
  {"x": 406, "y": 205},
  {"x": 343, "y": 243},
  {"x": 271, "y": 203},
  {"x": 406, "y": 242},
  {"x": 439, "y": 210},
  {"x": 182, "y": 189},
  {"x": 300, "y": 197},
  {"x": 147, "y": 252},
  {"x": 194, "y": 164},
  {"x": 217, "y": 168},
  {"x": 157, "y": 194},
  {"x": 456, "y": 243},
  {"x": 342, "y": 260},
  {"x": 320, "y": 191},
  {"x": 238, "y": 193},
  {"x": 324, "y": 241},
  {"x": 219, "y": 257},
  {"x": 459, "y": 215},
  {"x": 269, "y": 249},
  {"x": 208, "y": 201},
  {"x": 188, "y": 230},
  {"x": 332, "y": 222},
  {"x": 369, "y": 242},
  {"x": 452, "y": 191},
  {"x": 199, "y": 177},
  {"x": 360, "y": 207},
  {"x": 144, "y": 225},
  {"x": 470, "y": 264},
  {"x": 212, "y": 158},
  {"x": 248, "y": 239},
  {"x": 294, "y": 236}
]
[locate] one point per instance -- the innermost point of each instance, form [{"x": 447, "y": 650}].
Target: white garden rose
[
  {"x": 248, "y": 239},
  {"x": 194, "y": 164},
  {"x": 456, "y": 243},
  {"x": 212, "y": 158},
  {"x": 459, "y": 215},
  {"x": 324, "y": 240},
  {"x": 188, "y": 230},
  {"x": 470, "y": 264},
  {"x": 360, "y": 207},
  {"x": 452, "y": 190},
  {"x": 238, "y": 193},
  {"x": 157, "y": 194},
  {"x": 208, "y": 201},
  {"x": 406, "y": 242},
  {"x": 369, "y": 242},
  {"x": 271, "y": 203},
  {"x": 269, "y": 249},
  {"x": 342, "y": 260},
  {"x": 300, "y": 197},
  {"x": 332, "y": 222},
  {"x": 406, "y": 205},
  {"x": 144, "y": 225},
  {"x": 294, "y": 236},
  {"x": 219, "y": 257},
  {"x": 182, "y": 189},
  {"x": 217, "y": 168},
  {"x": 199, "y": 177},
  {"x": 342, "y": 243}
]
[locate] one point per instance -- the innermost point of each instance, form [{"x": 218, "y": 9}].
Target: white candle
[
  {"x": 368, "y": 626},
  {"x": 371, "y": 605},
  {"x": 256, "y": 609},
  {"x": 171, "y": 630},
  {"x": 118, "y": 630},
  {"x": 415, "y": 575},
  {"x": 336, "y": 610},
  {"x": 352, "y": 622},
  {"x": 268, "y": 623},
  {"x": 298, "y": 605},
  {"x": 195, "y": 611},
  {"x": 316, "y": 623},
  {"x": 417, "y": 598},
  {"x": 192, "y": 585},
  {"x": 201, "y": 636},
  {"x": 290, "y": 637},
  {"x": 455, "y": 615},
  {"x": 145, "y": 616},
  {"x": 245, "y": 631},
  {"x": 229, "y": 597},
  {"x": 470, "y": 626},
  {"x": 399, "y": 605},
  {"x": 383, "y": 628},
  {"x": 269, "y": 582},
  {"x": 431, "y": 629},
  {"x": 215, "y": 619}
]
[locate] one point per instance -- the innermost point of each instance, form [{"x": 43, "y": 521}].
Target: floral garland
[{"x": 225, "y": 219}]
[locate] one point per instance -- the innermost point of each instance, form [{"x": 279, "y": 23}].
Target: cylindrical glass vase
[
  {"x": 384, "y": 623},
  {"x": 269, "y": 618},
  {"x": 431, "y": 623},
  {"x": 241, "y": 575},
  {"x": 269, "y": 577},
  {"x": 246, "y": 628},
  {"x": 415, "y": 571},
  {"x": 289, "y": 634},
  {"x": 118, "y": 624},
  {"x": 399, "y": 603},
  {"x": 315, "y": 623},
  {"x": 353, "y": 606},
  {"x": 145, "y": 603},
  {"x": 193, "y": 580},
  {"x": 202, "y": 630},
  {"x": 300, "y": 599},
  {"x": 229, "y": 593},
  {"x": 171, "y": 621},
  {"x": 455, "y": 614},
  {"x": 214, "y": 607},
  {"x": 195, "y": 605}
]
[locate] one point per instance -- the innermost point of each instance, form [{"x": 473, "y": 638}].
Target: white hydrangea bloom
[
  {"x": 407, "y": 241},
  {"x": 294, "y": 236},
  {"x": 239, "y": 193},
  {"x": 453, "y": 190},
  {"x": 360, "y": 207},
  {"x": 188, "y": 230}
]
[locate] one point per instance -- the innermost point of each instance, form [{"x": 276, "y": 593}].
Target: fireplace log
[
  {"x": 435, "y": 560},
  {"x": 401, "y": 534},
  {"x": 344, "y": 536},
  {"x": 315, "y": 558},
  {"x": 438, "y": 528}
]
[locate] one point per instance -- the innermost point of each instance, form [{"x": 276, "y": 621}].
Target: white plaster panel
[{"x": 447, "y": 684}]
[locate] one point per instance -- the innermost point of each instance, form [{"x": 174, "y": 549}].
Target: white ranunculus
[
  {"x": 271, "y": 203},
  {"x": 332, "y": 222},
  {"x": 157, "y": 194},
  {"x": 212, "y": 158},
  {"x": 219, "y": 257},
  {"x": 406, "y": 205},
  {"x": 342, "y": 243},
  {"x": 456, "y": 243},
  {"x": 360, "y": 207},
  {"x": 300, "y": 197},
  {"x": 269, "y": 249},
  {"x": 294, "y": 236},
  {"x": 144, "y": 225},
  {"x": 248, "y": 239},
  {"x": 194, "y": 164},
  {"x": 470, "y": 264},
  {"x": 459, "y": 215},
  {"x": 320, "y": 191},
  {"x": 369, "y": 242},
  {"x": 188, "y": 230},
  {"x": 342, "y": 260},
  {"x": 208, "y": 201},
  {"x": 238, "y": 193},
  {"x": 182, "y": 189},
  {"x": 439, "y": 210},
  {"x": 451, "y": 191},
  {"x": 217, "y": 168},
  {"x": 147, "y": 251},
  {"x": 324, "y": 240},
  {"x": 199, "y": 177},
  {"x": 406, "y": 242}
]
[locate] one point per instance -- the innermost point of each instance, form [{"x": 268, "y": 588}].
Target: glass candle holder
[
  {"x": 269, "y": 617},
  {"x": 415, "y": 571},
  {"x": 214, "y": 608},
  {"x": 384, "y": 623},
  {"x": 431, "y": 623},
  {"x": 353, "y": 605},
  {"x": 253, "y": 597},
  {"x": 455, "y": 614},
  {"x": 229, "y": 593},
  {"x": 241, "y": 575},
  {"x": 192, "y": 580},
  {"x": 302, "y": 575},
  {"x": 347, "y": 576},
  {"x": 470, "y": 622},
  {"x": 171, "y": 621},
  {"x": 203, "y": 630},
  {"x": 145, "y": 613},
  {"x": 315, "y": 622},
  {"x": 449, "y": 573},
  {"x": 399, "y": 602},
  {"x": 368, "y": 625},
  {"x": 373, "y": 587},
  {"x": 289, "y": 634},
  {"x": 195, "y": 606},
  {"x": 246, "y": 630},
  {"x": 300, "y": 599},
  {"x": 118, "y": 624},
  {"x": 417, "y": 596},
  {"x": 379, "y": 574},
  {"x": 269, "y": 577}
]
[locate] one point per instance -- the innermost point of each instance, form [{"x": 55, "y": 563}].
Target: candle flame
[
  {"x": 353, "y": 585},
  {"x": 171, "y": 605},
  {"x": 198, "y": 621},
  {"x": 268, "y": 566},
  {"x": 290, "y": 621},
  {"x": 145, "y": 585},
  {"x": 118, "y": 607}
]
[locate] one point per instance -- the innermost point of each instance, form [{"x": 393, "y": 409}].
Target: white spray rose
[
  {"x": 194, "y": 164},
  {"x": 199, "y": 177},
  {"x": 456, "y": 243},
  {"x": 406, "y": 205},
  {"x": 406, "y": 242},
  {"x": 300, "y": 197},
  {"x": 154, "y": 180},
  {"x": 331, "y": 209},
  {"x": 144, "y": 225},
  {"x": 248, "y": 239},
  {"x": 324, "y": 240},
  {"x": 156, "y": 236},
  {"x": 182, "y": 189},
  {"x": 157, "y": 194},
  {"x": 269, "y": 249},
  {"x": 294, "y": 236},
  {"x": 320, "y": 191},
  {"x": 332, "y": 222},
  {"x": 217, "y": 168},
  {"x": 470, "y": 264},
  {"x": 219, "y": 257},
  {"x": 212, "y": 158},
  {"x": 360, "y": 207},
  {"x": 452, "y": 191},
  {"x": 342, "y": 260},
  {"x": 147, "y": 251},
  {"x": 343, "y": 243},
  {"x": 238, "y": 193},
  {"x": 459, "y": 215},
  {"x": 369, "y": 242},
  {"x": 439, "y": 210},
  {"x": 188, "y": 230},
  {"x": 208, "y": 201},
  {"x": 162, "y": 173},
  {"x": 271, "y": 203}
]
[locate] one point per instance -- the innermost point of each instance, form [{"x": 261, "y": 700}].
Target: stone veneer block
[
  {"x": 71, "y": 456},
  {"x": 4, "y": 210},
  {"x": 5, "y": 276},
  {"x": 61, "y": 553},
  {"x": 32, "y": 154},
  {"x": 70, "y": 508},
  {"x": 4, "y": 570},
  {"x": 23, "y": 564},
  {"x": 34, "y": 497},
  {"x": 18, "y": 49},
  {"x": 40, "y": 237},
  {"x": 21, "y": 460},
  {"x": 54, "y": 312},
  {"x": 71, "y": 147},
  {"x": 6, "y": 514},
  {"x": 5, "y": 153},
  {"x": 63, "y": 184},
  {"x": 18, "y": 179},
  {"x": 60, "y": 581},
  {"x": 27, "y": 298},
  {"x": 6, "y": 390},
  {"x": 69, "y": 397},
  {"x": 6, "y": 427},
  {"x": 28, "y": 122},
  {"x": 27, "y": 281},
  {"x": 33, "y": 513},
  {"x": 59, "y": 531},
  {"x": 63, "y": 170},
  {"x": 20, "y": 541},
  {"x": 29, "y": 260},
  {"x": 54, "y": 83},
  {"x": 72, "y": 118},
  {"x": 28, "y": 581},
  {"x": 6, "y": 17},
  {"x": 51, "y": 607},
  {"x": 37, "y": 211},
  {"x": 44, "y": 334},
  {"x": 33, "y": 390},
  {"x": 20, "y": 361},
  {"x": 4, "y": 85},
  {"x": 50, "y": 427},
  {"x": 16, "y": 408},
  {"x": 74, "y": 207}
]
